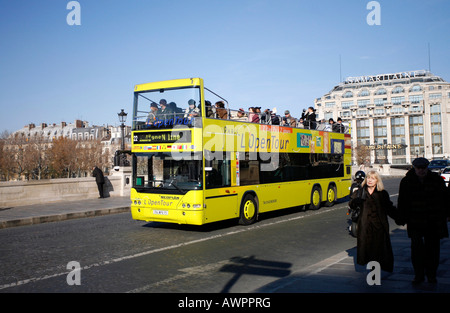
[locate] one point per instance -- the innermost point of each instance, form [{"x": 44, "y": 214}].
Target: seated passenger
[
  {"x": 252, "y": 115},
  {"x": 209, "y": 109},
  {"x": 265, "y": 117},
  {"x": 240, "y": 116},
  {"x": 329, "y": 126},
  {"x": 310, "y": 119},
  {"x": 151, "y": 117},
  {"x": 221, "y": 111},
  {"x": 338, "y": 127},
  {"x": 192, "y": 110},
  {"x": 289, "y": 120},
  {"x": 165, "y": 111}
]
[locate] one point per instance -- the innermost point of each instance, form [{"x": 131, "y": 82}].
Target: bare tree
[
  {"x": 63, "y": 156},
  {"x": 362, "y": 153}
]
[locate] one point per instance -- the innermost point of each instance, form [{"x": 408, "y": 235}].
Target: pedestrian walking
[
  {"x": 422, "y": 206},
  {"x": 373, "y": 241},
  {"x": 99, "y": 179}
]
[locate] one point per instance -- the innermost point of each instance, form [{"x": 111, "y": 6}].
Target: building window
[
  {"x": 329, "y": 104},
  {"x": 363, "y": 132},
  {"x": 415, "y": 98},
  {"x": 362, "y": 113},
  {"x": 346, "y": 114},
  {"x": 398, "y": 135},
  {"x": 397, "y": 100},
  {"x": 364, "y": 93},
  {"x": 398, "y": 90},
  {"x": 346, "y": 104},
  {"x": 416, "y": 135},
  {"x": 415, "y": 88},
  {"x": 397, "y": 110},
  {"x": 380, "y": 91},
  {"x": 363, "y": 103},
  {"x": 436, "y": 128},
  {"x": 435, "y": 96},
  {"x": 379, "y": 112},
  {"x": 380, "y": 102},
  {"x": 347, "y": 94}
]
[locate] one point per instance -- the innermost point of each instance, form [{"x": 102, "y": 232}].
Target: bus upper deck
[{"x": 185, "y": 108}]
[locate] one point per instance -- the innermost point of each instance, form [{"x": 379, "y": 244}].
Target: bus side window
[{"x": 218, "y": 173}]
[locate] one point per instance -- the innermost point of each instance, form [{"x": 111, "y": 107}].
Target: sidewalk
[
  {"x": 341, "y": 274},
  {"x": 59, "y": 211},
  {"x": 337, "y": 274}
]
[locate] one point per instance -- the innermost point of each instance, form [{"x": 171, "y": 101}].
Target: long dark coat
[
  {"x": 373, "y": 240},
  {"x": 423, "y": 205},
  {"x": 98, "y": 174}
]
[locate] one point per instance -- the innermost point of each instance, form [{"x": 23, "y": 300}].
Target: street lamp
[{"x": 122, "y": 118}]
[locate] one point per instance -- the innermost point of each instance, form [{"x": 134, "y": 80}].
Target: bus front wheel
[{"x": 248, "y": 212}]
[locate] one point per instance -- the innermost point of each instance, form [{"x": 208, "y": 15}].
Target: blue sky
[{"x": 264, "y": 53}]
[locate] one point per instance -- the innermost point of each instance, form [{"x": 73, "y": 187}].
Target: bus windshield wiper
[{"x": 172, "y": 183}]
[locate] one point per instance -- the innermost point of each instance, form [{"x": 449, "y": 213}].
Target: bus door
[{"x": 221, "y": 196}]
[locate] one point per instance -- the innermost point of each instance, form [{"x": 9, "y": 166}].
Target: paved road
[{"x": 118, "y": 254}]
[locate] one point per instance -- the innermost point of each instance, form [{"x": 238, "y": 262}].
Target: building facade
[{"x": 398, "y": 117}]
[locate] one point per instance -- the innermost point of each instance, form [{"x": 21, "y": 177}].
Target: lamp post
[{"x": 122, "y": 118}]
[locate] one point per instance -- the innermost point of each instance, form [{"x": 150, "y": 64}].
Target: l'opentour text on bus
[{"x": 197, "y": 168}]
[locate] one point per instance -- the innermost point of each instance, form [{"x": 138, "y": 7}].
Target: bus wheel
[
  {"x": 316, "y": 198},
  {"x": 248, "y": 211},
  {"x": 331, "y": 196}
]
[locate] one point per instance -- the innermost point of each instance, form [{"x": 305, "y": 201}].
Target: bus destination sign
[{"x": 178, "y": 136}]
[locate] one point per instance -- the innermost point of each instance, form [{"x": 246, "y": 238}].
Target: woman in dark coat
[{"x": 373, "y": 241}]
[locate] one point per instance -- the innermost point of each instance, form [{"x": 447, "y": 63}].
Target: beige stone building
[{"x": 397, "y": 116}]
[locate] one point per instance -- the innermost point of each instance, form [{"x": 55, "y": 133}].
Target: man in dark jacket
[
  {"x": 422, "y": 206},
  {"x": 99, "y": 179}
]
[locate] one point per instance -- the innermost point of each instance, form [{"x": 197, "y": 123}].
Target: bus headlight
[{"x": 196, "y": 206}]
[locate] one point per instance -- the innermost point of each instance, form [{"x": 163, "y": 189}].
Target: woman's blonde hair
[{"x": 377, "y": 176}]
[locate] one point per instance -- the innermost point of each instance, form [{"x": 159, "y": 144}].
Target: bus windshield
[
  {"x": 165, "y": 108},
  {"x": 161, "y": 171}
]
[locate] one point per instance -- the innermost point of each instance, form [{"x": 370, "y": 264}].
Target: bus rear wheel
[
  {"x": 316, "y": 198},
  {"x": 331, "y": 196},
  {"x": 248, "y": 212}
]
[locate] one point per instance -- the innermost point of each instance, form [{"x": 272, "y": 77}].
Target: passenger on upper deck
[
  {"x": 339, "y": 127},
  {"x": 240, "y": 116},
  {"x": 309, "y": 119},
  {"x": 151, "y": 117},
  {"x": 275, "y": 119},
  {"x": 209, "y": 110},
  {"x": 164, "y": 110},
  {"x": 329, "y": 126},
  {"x": 288, "y": 119},
  {"x": 221, "y": 111},
  {"x": 192, "y": 110},
  {"x": 252, "y": 115}
]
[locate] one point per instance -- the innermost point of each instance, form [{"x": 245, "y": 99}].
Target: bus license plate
[{"x": 160, "y": 212}]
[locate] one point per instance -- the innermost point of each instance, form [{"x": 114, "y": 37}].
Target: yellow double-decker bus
[{"x": 197, "y": 161}]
